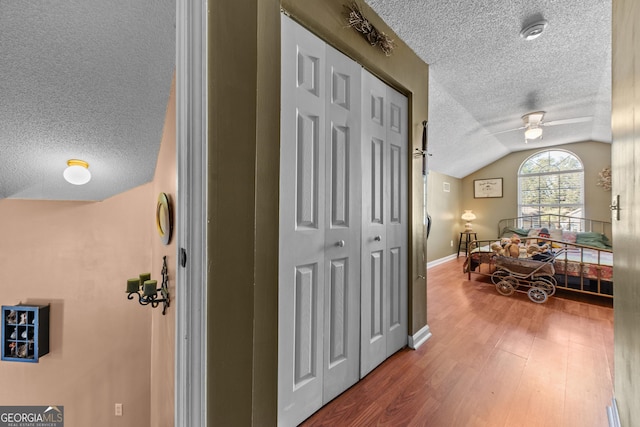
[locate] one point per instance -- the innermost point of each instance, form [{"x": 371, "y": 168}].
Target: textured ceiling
[
  {"x": 85, "y": 79},
  {"x": 484, "y": 76},
  {"x": 90, "y": 79}
]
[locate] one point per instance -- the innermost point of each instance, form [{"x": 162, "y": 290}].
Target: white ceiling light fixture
[
  {"x": 77, "y": 172},
  {"x": 532, "y": 123},
  {"x": 534, "y": 30},
  {"x": 533, "y": 132}
]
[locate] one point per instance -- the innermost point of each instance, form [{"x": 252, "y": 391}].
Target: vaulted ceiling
[
  {"x": 90, "y": 79},
  {"x": 484, "y": 76}
]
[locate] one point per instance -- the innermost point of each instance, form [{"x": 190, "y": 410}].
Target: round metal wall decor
[{"x": 164, "y": 218}]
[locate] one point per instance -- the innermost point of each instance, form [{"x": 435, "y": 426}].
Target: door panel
[
  {"x": 384, "y": 233},
  {"x": 306, "y": 317},
  {"x": 342, "y": 233},
  {"x": 307, "y": 169},
  {"x": 302, "y": 241},
  {"x": 374, "y": 212},
  {"x": 397, "y": 225}
]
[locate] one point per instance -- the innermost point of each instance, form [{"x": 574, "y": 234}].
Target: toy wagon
[{"x": 526, "y": 275}]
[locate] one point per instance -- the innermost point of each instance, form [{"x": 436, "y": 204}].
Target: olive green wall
[
  {"x": 445, "y": 209},
  {"x": 243, "y": 125},
  {"x": 625, "y": 120},
  {"x": 233, "y": 286},
  {"x": 594, "y": 155}
]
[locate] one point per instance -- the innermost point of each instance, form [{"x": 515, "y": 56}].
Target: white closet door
[
  {"x": 342, "y": 236},
  {"x": 319, "y": 289},
  {"x": 384, "y": 222},
  {"x": 373, "y": 346},
  {"x": 302, "y": 219},
  {"x": 397, "y": 226}
]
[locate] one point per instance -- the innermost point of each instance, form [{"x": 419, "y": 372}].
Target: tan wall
[
  {"x": 594, "y": 155},
  {"x": 244, "y": 105},
  {"x": 445, "y": 209},
  {"x": 625, "y": 121},
  {"x": 77, "y": 256},
  {"x": 163, "y": 326}
]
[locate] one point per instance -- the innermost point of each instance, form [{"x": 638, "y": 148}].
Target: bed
[{"x": 585, "y": 260}]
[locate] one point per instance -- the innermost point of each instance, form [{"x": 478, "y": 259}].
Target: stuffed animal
[
  {"x": 537, "y": 248},
  {"x": 513, "y": 247},
  {"x": 497, "y": 248}
]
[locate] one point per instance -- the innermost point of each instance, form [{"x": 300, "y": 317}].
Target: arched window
[{"x": 551, "y": 182}]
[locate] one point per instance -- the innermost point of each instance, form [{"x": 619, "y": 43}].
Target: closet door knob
[
  {"x": 378, "y": 238},
  {"x": 340, "y": 243}
]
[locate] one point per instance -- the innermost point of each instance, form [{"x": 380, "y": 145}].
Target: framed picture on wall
[{"x": 487, "y": 188}]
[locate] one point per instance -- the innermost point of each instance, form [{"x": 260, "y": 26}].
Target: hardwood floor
[{"x": 492, "y": 361}]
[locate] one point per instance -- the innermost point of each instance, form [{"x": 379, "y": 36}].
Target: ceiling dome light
[
  {"x": 533, "y": 132},
  {"x": 534, "y": 30},
  {"x": 77, "y": 172}
]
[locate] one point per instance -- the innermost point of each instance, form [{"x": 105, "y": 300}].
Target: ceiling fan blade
[
  {"x": 567, "y": 121},
  {"x": 508, "y": 130}
]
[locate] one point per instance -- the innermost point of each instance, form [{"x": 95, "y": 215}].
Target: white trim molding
[
  {"x": 441, "y": 260},
  {"x": 420, "y": 337},
  {"x": 612, "y": 414},
  {"x": 191, "y": 227}
]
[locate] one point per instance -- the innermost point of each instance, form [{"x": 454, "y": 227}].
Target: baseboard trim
[
  {"x": 420, "y": 337},
  {"x": 441, "y": 260},
  {"x": 612, "y": 414}
]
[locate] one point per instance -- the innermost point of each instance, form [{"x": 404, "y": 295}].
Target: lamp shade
[
  {"x": 533, "y": 132},
  {"x": 77, "y": 172},
  {"x": 468, "y": 216}
]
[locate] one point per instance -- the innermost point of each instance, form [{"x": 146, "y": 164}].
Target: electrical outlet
[
  {"x": 118, "y": 409},
  {"x": 452, "y": 243}
]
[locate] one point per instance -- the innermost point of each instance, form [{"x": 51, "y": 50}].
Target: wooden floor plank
[{"x": 492, "y": 361}]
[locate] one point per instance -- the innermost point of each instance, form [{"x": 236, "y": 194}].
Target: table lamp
[{"x": 468, "y": 216}]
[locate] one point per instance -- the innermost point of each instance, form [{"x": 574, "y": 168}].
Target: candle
[
  {"x": 144, "y": 277},
  {"x": 150, "y": 287},
  {"x": 133, "y": 285}
]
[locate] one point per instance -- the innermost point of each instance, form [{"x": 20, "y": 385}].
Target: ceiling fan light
[
  {"x": 77, "y": 172},
  {"x": 533, "y": 132}
]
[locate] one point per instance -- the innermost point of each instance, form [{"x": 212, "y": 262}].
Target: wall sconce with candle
[{"x": 147, "y": 289}]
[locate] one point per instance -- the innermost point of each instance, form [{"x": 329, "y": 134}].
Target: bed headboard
[{"x": 564, "y": 222}]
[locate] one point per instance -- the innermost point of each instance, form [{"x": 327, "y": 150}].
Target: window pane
[{"x": 551, "y": 182}]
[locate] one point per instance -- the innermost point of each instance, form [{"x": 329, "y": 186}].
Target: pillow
[
  {"x": 532, "y": 233},
  {"x": 510, "y": 231},
  {"x": 569, "y": 236},
  {"x": 555, "y": 234},
  {"x": 597, "y": 240}
]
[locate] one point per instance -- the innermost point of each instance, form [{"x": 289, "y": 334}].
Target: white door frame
[{"x": 191, "y": 228}]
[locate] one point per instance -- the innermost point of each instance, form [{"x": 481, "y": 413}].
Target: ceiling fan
[{"x": 533, "y": 124}]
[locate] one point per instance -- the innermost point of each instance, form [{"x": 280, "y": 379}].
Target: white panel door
[
  {"x": 397, "y": 226},
  {"x": 384, "y": 222},
  {"x": 302, "y": 230},
  {"x": 320, "y": 203},
  {"x": 374, "y": 312},
  {"x": 342, "y": 236}
]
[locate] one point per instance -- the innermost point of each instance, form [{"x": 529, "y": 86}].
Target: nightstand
[{"x": 465, "y": 239}]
